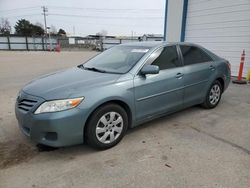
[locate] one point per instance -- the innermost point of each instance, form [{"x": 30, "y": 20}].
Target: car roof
[
  {"x": 152, "y": 44},
  {"x": 155, "y": 44}
]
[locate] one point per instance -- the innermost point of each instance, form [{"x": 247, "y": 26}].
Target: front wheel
[
  {"x": 106, "y": 126},
  {"x": 213, "y": 96}
]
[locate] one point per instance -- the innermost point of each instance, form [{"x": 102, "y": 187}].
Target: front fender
[{"x": 123, "y": 92}]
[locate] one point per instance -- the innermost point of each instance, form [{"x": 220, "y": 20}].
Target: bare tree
[
  {"x": 5, "y": 27},
  {"x": 102, "y": 33}
]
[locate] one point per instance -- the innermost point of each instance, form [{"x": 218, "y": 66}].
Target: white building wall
[
  {"x": 222, "y": 26},
  {"x": 174, "y": 20}
]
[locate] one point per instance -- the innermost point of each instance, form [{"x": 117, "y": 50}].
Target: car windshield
[{"x": 119, "y": 59}]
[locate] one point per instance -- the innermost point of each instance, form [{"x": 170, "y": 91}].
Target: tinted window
[
  {"x": 168, "y": 58},
  {"x": 193, "y": 55}
]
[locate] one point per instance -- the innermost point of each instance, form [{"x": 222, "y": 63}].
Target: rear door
[
  {"x": 198, "y": 70},
  {"x": 163, "y": 92}
]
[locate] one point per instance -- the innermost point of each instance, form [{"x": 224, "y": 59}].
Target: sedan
[{"x": 120, "y": 88}]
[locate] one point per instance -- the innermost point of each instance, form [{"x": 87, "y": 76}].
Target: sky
[{"x": 84, "y": 17}]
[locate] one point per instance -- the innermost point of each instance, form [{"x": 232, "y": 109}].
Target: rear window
[{"x": 193, "y": 55}]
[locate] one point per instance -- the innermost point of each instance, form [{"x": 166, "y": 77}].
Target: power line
[
  {"x": 24, "y": 15},
  {"x": 104, "y": 9},
  {"x": 104, "y": 17},
  {"x": 104, "y": 24},
  {"x": 18, "y": 9}
]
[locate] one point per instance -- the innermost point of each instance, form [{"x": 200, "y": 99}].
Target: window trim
[
  {"x": 182, "y": 58},
  {"x": 161, "y": 48}
]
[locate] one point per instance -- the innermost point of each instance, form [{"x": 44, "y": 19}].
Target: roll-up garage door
[{"x": 222, "y": 26}]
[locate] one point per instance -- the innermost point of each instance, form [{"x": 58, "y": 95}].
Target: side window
[
  {"x": 193, "y": 55},
  {"x": 168, "y": 58}
]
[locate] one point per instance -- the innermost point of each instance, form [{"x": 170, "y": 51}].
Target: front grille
[{"x": 26, "y": 104}]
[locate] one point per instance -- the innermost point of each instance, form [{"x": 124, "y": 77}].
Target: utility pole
[
  {"x": 50, "y": 43},
  {"x": 45, "y": 9},
  {"x": 165, "y": 21}
]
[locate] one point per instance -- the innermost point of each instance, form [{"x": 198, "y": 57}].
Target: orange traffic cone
[{"x": 239, "y": 80}]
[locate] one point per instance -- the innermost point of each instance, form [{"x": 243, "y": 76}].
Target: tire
[
  {"x": 106, "y": 126},
  {"x": 213, "y": 95}
]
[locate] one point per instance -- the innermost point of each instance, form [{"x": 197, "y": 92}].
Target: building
[
  {"x": 222, "y": 26},
  {"x": 152, "y": 37}
]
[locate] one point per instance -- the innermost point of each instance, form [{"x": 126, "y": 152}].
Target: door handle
[
  {"x": 211, "y": 67},
  {"x": 179, "y": 75}
]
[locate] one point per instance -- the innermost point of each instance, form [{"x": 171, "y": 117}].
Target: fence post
[
  {"x": 34, "y": 43},
  {"x": 120, "y": 41},
  {"x": 101, "y": 44},
  {"x": 43, "y": 43},
  {"x": 8, "y": 39},
  {"x": 27, "y": 45}
]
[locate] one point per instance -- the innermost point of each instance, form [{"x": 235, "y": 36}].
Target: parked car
[{"x": 127, "y": 85}]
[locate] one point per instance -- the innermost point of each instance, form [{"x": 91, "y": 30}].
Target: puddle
[{"x": 13, "y": 153}]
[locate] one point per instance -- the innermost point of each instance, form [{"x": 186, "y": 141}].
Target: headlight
[{"x": 58, "y": 105}]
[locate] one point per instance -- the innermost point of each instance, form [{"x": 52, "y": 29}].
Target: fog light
[{"x": 51, "y": 136}]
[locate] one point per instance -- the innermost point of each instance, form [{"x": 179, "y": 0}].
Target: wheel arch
[
  {"x": 222, "y": 82},
  {"x": 119, "y": 102}
]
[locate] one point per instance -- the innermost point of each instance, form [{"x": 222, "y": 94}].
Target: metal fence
[
  {"x": 42, "y": 43},
  {"x": 108, "y": 43},
  {"x": 27, "y": 43}
]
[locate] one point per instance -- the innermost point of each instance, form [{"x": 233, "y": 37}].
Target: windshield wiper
[
  {"x": 81, "y": 66},
  {"x": 94, "y": 69}
]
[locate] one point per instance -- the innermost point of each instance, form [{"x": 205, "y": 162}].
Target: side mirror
[{"x": 150, "y": 69}]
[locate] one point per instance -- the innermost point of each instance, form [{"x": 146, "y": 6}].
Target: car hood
[{"x": 68, "y": 83}]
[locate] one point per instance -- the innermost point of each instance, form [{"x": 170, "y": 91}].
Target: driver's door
[{"x": 163, "y": 92}]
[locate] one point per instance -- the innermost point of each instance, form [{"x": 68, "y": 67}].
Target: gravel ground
[{"x": 191, "y": 148}]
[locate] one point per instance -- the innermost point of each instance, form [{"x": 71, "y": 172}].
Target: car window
[
  {"x": 193, "y": 55},
  {"x": 119, "y": 59},
  {"x": 168, "y": 58}
]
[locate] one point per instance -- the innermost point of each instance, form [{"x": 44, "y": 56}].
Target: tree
[
  {"x": 37, "y": 30},
  {"x": 39, "y": 24},
  {"x": 25, "y": 28},
  {"x": 102, "y": 33},
  {"x": 5, "y": 27},
  {"x": 61, "y": 32}
]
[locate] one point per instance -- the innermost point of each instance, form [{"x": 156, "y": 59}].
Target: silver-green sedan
[{"x": 127, "y": 85}]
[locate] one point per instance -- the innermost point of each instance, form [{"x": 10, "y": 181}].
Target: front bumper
[{"x": 55, "y": 129}]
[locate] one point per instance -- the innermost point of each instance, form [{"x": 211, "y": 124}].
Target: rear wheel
[
  {"x": 107, "y": 126},
  {"x": 213, "y": 96}
]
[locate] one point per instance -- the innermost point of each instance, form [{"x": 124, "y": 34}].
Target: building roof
[{"x": 153, "y": 35}]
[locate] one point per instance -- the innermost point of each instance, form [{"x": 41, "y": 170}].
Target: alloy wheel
[
  {"x": 214, "y": 95},
  {"x": 109, "y": 127}
]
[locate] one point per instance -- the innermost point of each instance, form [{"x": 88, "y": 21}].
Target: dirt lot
[{"x": 192, "y": 148}]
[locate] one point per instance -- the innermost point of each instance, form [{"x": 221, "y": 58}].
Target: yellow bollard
[{"x": 248, "y": 75}]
